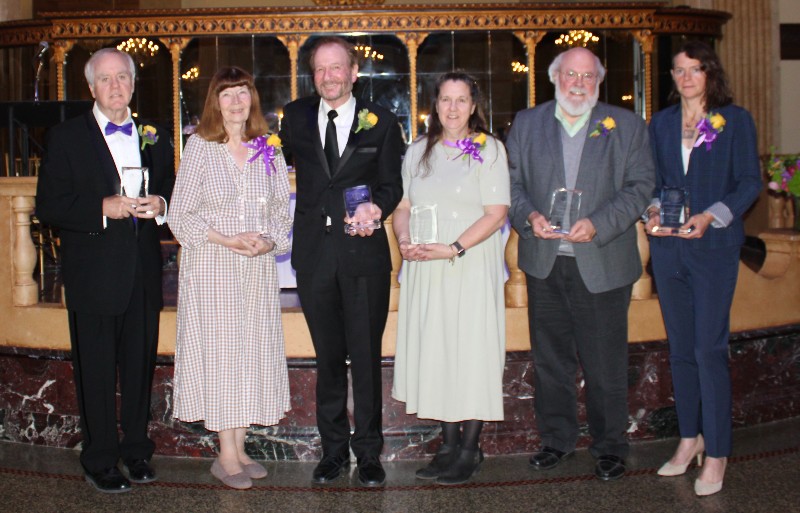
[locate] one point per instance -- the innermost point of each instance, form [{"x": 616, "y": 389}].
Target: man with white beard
[{"x": 579, "y": 275}]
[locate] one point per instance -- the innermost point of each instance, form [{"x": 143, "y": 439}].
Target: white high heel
[
  {"x": 670, "y": 470},
  {"x": 702, "y": 488}
]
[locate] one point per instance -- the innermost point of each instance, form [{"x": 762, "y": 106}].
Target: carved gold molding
[
  {"x": 349, "y": 2},
  {"x": 342, "y": 18}
]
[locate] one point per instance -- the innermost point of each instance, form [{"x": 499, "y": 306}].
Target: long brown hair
[
  {"x": 211, "y": 127},
  {"x": 718, "y": 92},
  {"x": 476, "y": 123}
]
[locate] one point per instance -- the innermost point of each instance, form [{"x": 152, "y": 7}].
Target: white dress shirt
[
  {"x": 124, "y": 149},
  {"x": 343, "y": 122}
]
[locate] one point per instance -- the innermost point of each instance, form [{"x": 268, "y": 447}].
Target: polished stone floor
[{"x": 763, "y": 475}]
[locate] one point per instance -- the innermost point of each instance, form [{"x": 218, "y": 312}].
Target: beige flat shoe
[
  {"x": 240, "y": 481},
  {"x": 255, "y": 470}
]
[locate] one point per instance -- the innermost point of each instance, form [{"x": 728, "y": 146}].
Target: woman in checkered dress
[{"x": 230, "y": 213}]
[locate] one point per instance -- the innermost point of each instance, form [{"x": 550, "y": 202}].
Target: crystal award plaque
[
  {"x": 134, "y": 182},
  {"x": 355, "y": 199},
  {"x": 565, "y": 204},
  {"x": 422, "y": 224},
  {"x": 674, "y": 210}
]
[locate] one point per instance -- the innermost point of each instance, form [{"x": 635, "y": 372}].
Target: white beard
[{"x": 579, "y": 109}]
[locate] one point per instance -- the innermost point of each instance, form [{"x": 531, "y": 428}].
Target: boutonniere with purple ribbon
[
  {"x": 603, "y": 127},
  {"x": 366, "y": 120},
  {"x": 709, "y": 129},
  {"x": 470, "y": 147},
  {"x": 147, "y": 133},
  {"x": 267, "y": 147}
]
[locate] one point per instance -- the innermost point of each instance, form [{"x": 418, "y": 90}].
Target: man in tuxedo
[
  {"x": 338, "y": 141},
  {"x": 579, "y": 283},
  {"x": 111, "y": 264}
]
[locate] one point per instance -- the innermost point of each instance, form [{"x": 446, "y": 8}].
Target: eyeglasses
[
  {"x": 573, "y": 76},
  {"x": 694, "y": 71}
]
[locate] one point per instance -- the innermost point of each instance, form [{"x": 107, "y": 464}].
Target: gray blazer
[{"x": 616, "y": 176}]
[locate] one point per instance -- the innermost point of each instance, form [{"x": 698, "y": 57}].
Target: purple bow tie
[{"x": 126, "y": 129}]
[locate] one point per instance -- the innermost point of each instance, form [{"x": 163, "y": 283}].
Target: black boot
[
  {"x": 444, "y": 457},
  {"x": 465, "y": 466}
]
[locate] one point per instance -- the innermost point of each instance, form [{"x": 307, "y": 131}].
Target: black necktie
[{"x": 331, "y": 142}]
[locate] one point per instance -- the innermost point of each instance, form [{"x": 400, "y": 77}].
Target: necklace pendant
[{"x": 688, "y": 133}]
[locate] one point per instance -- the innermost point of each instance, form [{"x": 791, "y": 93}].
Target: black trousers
[
  {"x": 346, "y": 316},
  {"x": 572, "y": 326},
  {"x": 102, "y": 346}
]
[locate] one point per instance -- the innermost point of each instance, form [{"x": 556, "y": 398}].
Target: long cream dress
[
  {"x": 230, "y": 362},
  {"x": 451, "y": 326}
]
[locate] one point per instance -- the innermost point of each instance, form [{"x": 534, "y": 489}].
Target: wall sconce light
[
  {"x": 369, "y": 53},
  {"x": 191, "y": 74},
  {"x": 518, "y": 67}
]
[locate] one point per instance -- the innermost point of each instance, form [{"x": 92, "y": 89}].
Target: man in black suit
[
  {"x": 343, "y": 280},
  {"x": 111, "y": 264}
]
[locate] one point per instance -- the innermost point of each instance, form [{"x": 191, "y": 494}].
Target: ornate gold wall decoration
[{"x": 349, "y": 2}]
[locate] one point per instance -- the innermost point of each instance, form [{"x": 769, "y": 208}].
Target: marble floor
[{"x": 762, "y": 476}]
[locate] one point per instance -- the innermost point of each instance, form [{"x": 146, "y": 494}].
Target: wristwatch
[{"x": 459, "y": 249}]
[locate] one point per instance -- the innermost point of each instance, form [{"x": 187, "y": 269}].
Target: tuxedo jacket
[
  {"x": 730, "y": 172},
  {"x": 616, "y": 177},
  {"x": 371, "y": 157},
  {"x": 98, "y": 264}
]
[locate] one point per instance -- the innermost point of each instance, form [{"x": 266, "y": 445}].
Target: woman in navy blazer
[{"x": 706, "y": 146}]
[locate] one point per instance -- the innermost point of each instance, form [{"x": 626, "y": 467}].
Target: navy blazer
[
  {"x": 98, "y": 264},
  {"x": 730, "y": 172},
  {"x": 371, "y": 157}
]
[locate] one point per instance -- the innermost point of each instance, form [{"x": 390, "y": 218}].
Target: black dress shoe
[
  {"x": 330, "y": 468},
  {"x": 609, "y": 467},
  {"x": 140, "y": 471},
  {"x": 370, "y": 472},
  {"x": 548, "y": 458},
  {"x": 109, "y": 480}
]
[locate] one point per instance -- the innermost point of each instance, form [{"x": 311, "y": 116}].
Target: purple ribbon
[
  {"x": 264, "y": 151},
  {"x": 467, "y": 147},
  {"x": 707, "y": 134}
]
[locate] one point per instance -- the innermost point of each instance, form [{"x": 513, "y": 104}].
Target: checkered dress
[{"x": 230, "y": 362}]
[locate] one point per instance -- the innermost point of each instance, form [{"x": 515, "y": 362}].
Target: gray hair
[
  {"x": 88, "y": 70},
  {"x": 555, "y": 66}
]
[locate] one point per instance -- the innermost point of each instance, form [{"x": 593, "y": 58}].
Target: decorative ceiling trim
[{"x": 374, "y": 19}]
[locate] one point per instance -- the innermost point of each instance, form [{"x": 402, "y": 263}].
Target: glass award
[
  {"x": 134, "y": 182},
  {"x": 674, "y": 210},
  {"x": 565, "y": 204},
  {"x": 262, "y": 218},
  {"x": 356, "y": 199},
  {"x": 422, "y": 224}
]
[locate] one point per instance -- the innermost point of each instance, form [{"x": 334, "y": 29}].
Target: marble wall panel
[{"x": 37, "y": 402}]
